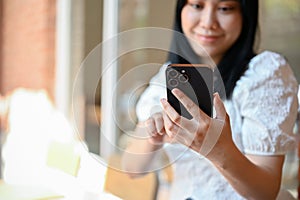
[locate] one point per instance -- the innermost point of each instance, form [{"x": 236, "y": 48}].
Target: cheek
[
  {"x": 238, "y": 23},
  {"x": 238, "y": 29},
  {"x": 188, "y": 19},
  {"x": 184, "y": 19},
  {"x": 233, "y": 28}
]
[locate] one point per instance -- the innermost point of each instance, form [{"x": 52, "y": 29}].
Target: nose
[{"x": 208, "y": 19}]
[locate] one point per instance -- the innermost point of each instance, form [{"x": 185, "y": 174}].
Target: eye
[
  {"x": 196, "y": 6},
  {"x": 226, "y": 8}
]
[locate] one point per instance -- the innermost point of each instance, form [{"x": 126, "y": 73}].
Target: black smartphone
[{"x": 194, "y": 80}]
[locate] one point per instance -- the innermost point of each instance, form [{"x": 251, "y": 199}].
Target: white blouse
[{"x": 262, "y": 112}]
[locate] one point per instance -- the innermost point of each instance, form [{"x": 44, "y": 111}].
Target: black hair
[{"x": 236, "y": 59}]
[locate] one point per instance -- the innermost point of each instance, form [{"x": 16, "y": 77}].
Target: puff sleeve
[{"x": 266, "y": 97}]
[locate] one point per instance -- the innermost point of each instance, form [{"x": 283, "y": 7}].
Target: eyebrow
[{"x": 228, "y": 0}]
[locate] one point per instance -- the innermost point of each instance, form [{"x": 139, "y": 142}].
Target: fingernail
[
  {"x": 175, "y": 91},
  {"x": 163, "y": 100},
  {"x": 216, "y": 94}
]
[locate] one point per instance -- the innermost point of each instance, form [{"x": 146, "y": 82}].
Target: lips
[{"x": 207, "y": 38}]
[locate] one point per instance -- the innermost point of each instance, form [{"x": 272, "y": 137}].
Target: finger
[
  {"x": 150, "y": 127},
  {"x": 212, "y": 136},
  {"x": 216, "y": 126},
  {"x": 176, "y": 133},
  {"x": 220, "y": 108},
  {"x": 170, "y": 127},
  {"x": 190, "y": 106},
  {"x": 173, "y": 115},
  {"x": 159, "y": 124},
  {"x": 189, "y": 125}
]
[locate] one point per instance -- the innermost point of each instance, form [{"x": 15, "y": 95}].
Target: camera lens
[
  {"x": 173, "y": 82},
  {"x": 183, "y": 78},
  {"x": 172, "y": 73}
]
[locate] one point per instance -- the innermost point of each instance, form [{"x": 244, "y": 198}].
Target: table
[{"x": 26, "y": 192}]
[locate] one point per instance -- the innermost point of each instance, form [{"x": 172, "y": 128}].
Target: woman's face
[{"x": 215, "y": 25}]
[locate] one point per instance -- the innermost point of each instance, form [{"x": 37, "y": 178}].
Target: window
[{"x": 279, "y": 32}]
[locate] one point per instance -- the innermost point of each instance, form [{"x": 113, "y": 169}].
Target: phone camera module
[
  {"x": 183, "y": 78},
  {"x": 172, "y": 73},
  {"x": 173, "y": 83}
]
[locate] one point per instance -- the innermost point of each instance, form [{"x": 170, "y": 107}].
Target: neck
[{"x": 211, "y": 60}]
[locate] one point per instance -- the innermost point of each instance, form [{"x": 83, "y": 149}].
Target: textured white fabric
[{"x": 262, "y": 111}]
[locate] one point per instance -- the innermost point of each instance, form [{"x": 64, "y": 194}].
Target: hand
[
  {"x": 155, "y": 128},
  {"x": 201, "y": 133}
]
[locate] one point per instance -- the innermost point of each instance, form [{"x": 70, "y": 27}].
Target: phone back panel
[{"x": 195, "y": 81}]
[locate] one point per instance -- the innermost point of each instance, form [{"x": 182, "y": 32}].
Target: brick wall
[
  {"x": 28, "y": 45},
  {"x": 1, "y": 30}
]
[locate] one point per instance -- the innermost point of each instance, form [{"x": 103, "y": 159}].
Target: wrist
[
  {"x": 223, "y": 154},
  {"x": 154, "y": 145}
]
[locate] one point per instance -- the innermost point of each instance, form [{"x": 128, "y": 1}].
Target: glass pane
[{"x": 139, "y": 59}]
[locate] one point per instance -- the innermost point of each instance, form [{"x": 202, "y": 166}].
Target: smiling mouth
[{"x": 207, "y": 38}]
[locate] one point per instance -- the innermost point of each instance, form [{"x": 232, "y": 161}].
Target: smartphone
[{"x": 194, "y": 80}]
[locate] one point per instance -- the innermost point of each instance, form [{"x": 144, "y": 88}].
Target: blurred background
[{"x": 43, "y": 48}]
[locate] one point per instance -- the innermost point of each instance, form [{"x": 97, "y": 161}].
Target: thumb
[{"x": 219, "y": 106}]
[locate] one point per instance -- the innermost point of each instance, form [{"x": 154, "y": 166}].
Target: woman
[{"x": 253, "y": 123}]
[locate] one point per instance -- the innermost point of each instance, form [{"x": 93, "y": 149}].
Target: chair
[{"x": 121, "y": 185}]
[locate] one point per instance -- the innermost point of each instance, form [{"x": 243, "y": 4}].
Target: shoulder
[
  {"x": 268, "y": 70},
  {"x": 268, "y": 86},
  {"x": 267, "y": 57},
  {"x": 268, "y": 62}
]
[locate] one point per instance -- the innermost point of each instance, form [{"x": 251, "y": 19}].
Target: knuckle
[
  {"x": 190, "y": 106},
  {"x": 205, "y": 126},
  {"x": 170, "y": 128},
  {"x": 177, "y": 119},
  {"x": 157, "y": 115},
  {"x": 152, "y": 133},
  {"x": 159, "y": 129},
  {"x": 199, "y": 138},
  {"x": 149, "y": 121}
]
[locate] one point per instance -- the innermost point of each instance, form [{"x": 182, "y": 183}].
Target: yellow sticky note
[{"x": 63, "y": 156}]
